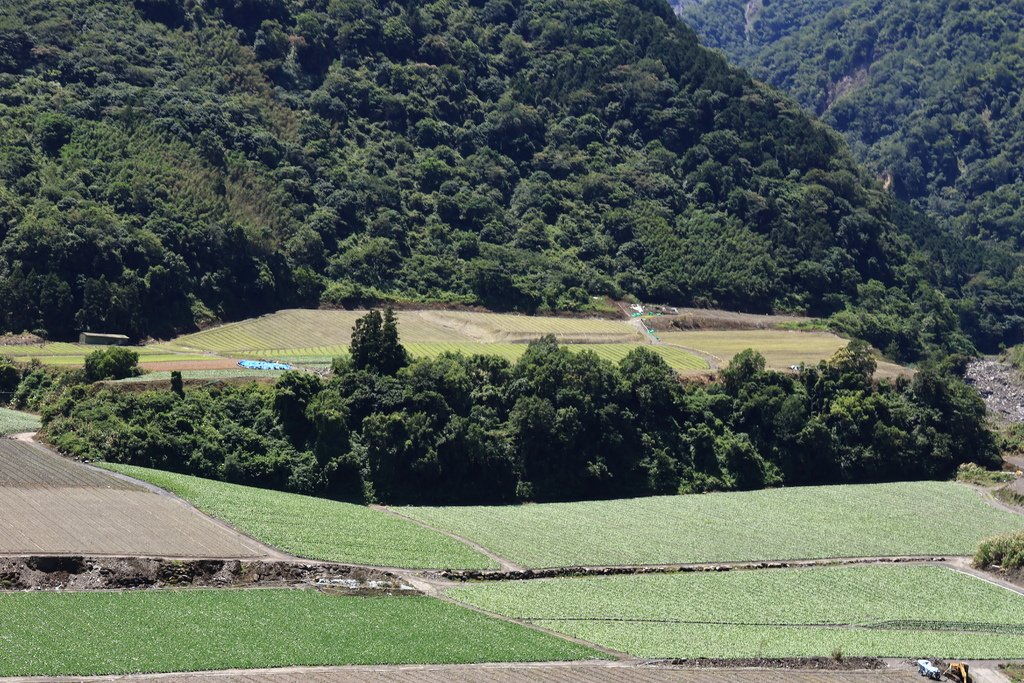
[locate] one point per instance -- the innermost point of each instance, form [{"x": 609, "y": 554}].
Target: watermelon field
[
  {"x": 909, "y": 518},
  {"x": 888, "y": 611}
]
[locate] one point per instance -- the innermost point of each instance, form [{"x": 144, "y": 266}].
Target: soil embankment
[{"x": 119, "y": 573}]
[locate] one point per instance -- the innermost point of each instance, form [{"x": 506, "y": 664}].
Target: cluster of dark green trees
[
  {"x": 166, "y": 162},
  {"x": 928, "y": 94},
  {"x": 556, "y": 425}
]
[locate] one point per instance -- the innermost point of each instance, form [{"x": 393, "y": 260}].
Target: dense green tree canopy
[
  {"x": 164, "y": 162},
  {"x": 928, "y": 94},
  {"x": 555, "y": 425}
]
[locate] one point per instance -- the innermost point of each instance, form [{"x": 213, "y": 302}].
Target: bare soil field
[
  {"x": 26, "y": 465},
  {"x": 53, "y": 506},
  {"x": 519, "y": 673}
]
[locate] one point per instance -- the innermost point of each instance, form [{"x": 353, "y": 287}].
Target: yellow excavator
[{"x": 957, "y": 671}]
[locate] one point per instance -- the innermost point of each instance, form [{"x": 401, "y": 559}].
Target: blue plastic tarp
[{"x": 263, "y": 365}]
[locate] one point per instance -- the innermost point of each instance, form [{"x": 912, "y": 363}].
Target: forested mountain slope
[
  {"x": 168, "y": 161},
  {"x": 928, "y": 93}
]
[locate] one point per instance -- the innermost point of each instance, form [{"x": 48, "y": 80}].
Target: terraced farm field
[
  {"x": 888, "y": 611},
  {"x": 165, "y": 375},
  {"x": 316, "y": 528},
  {"x": 917, "y": 518},
  {"x": 327, "y": 333},
  {"x": 524, "y": 328},
  {"x": 158, "y": 631},
  {"x": 780, "y": 348},
  {"x": 13, "y": 422},
  {"x": 50, "y": 505},
  {"x": 68, "y": 354},
  {"x": 313, "y": 337}
]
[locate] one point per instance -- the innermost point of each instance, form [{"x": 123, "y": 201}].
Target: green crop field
[
  {"x": 68, "y": 354},
  {"x": 780, "y": 348},
  {"x": 12, "y": 422},
  {"x": 165, "y": 375},
  {"x": 677, "y": 358},
  {"x": 315, "y": 527},
  {"x": 522, "y": 328},
  {"x": 91, "y": 633},
  {"x": 916, "y": 518},
  {"x": 886, "y": 611},
  {"x": 316, "y": 333}
]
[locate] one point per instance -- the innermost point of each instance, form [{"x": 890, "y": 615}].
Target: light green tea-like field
[
  {"x": 884, "y": 611},
  {"x": 906, "y": 518}
]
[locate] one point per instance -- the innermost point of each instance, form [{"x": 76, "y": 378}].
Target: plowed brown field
[
  {"x": 51, "y": 505},
  {"x": 544, "y": 673}
]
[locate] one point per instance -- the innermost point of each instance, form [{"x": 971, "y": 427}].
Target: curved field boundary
[
  {"x": 306, "y": 329},
  {"x": 24, "y": 464},
  {"x": 316, "y": 528}
]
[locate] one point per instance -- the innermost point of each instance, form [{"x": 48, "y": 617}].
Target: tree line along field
[
  {"x": 13, "y": 422},
  {"x": 56, "y": 634},
  {"x": 882, "y": 611},
  {"x": 912, "y": 518},
  {"x": 317, "y": 528},
  {"x": 677, "y": 358}
]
